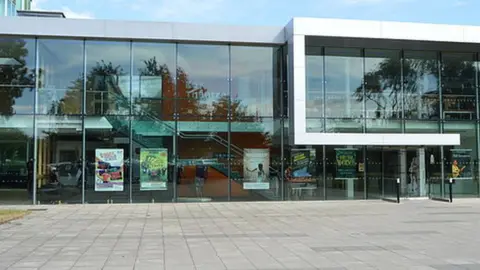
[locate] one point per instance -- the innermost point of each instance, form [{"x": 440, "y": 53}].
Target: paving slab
[{"x": 246, "y": 235}]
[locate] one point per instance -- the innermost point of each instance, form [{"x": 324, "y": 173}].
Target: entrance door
[{"x": 409, "y": 165}]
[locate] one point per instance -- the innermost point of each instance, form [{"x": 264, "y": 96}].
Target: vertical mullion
[
  {"x": 34, "y": 122},
  {"x": 283, "y": 67},
  {"x": 440, "y": 112},
  {"x": 364, "y": 103},
  {"x": 130, "y": 118},
  {"x": 324, "y": 86},
  {"x": 402, "y": 91},
  {"x": 229, "y": 119},
  {"x": 175, "y": 135},
  {"x": 476, "y": 176},
  {"x": 84, "y": 105}
]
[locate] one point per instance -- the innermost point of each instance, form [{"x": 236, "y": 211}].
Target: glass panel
[
  {"x": 17, "y": 75},
  {"x": 202, "y": 81},
  {"x": 153, "y": 85},
  {"x": 59, "y": 153},
  {"x": 344, "y": 125},
  {"x": 203, "y": 102},
  {"x": 344, "y": 176},
  {"x": 152, "y": 160},
  {"x": 16, "y": 160},
  {"x": 252, "y": 81},
  {"x": 460, "y": 160},
  {"x": 304, "y": 174},
  {"x": 458, "y": 86},
  {"x": 61, "y": 77},
  {"x": 108, "y": 77},
  {"x": 374, "y": 167},
  {"x": 422, "y": 126},
  {"x": 433, "y": 161},
  {"x": 314, "y": 84},
  {"x": 255, "y": 174},
  {"x": 202, "y": 160},
  {"x": 421, "y": 86},
  {"x": 107, "y": 154},
  {"x": 383, "y": 91},
  {"x": 343, "y": 83}
]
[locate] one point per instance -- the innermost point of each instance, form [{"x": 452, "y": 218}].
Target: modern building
[
  {"x": 96, "y": 111},
  {"x": 10, "y": 7}
]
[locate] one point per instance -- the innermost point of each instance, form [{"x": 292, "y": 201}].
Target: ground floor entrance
[{"x": 418, "y": 169}]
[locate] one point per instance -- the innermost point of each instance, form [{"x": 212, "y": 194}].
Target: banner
[
  {"x": 346, "y": 161},
  {"x": 109, "y": 170},
  {"x": 256, "y": 164},
  {"x": 300, "y": 163},
  {"x": 461, "y": 164},
  {"x": 153, "y": 168}
]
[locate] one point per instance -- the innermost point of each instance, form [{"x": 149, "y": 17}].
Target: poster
[
  {"x": 461, "y": 164},
  {"x": 109, "y": 174},
  {"x": 301, "y": 159},
  {"x": 153, "y": 168},
  {"x": 256, "y": 163},
  {"x": 346, "y": 162}
]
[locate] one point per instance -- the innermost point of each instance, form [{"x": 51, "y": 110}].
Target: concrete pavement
[{"x": 245, "y": 235}]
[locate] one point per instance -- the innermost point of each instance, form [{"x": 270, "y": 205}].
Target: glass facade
[
  {"x": 105, "y": 121},
  {"x": 96, "y": 121},
  {"x": 363, "y": 90}
]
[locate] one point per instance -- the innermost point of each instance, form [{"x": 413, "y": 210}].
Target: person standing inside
[
  {"x": 201, "y": 172},
  {"x": 30, "y": 178}
]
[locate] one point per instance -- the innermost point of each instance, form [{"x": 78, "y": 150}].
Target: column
[
  {"x": 402, "y": 156},
  {"x": 422, "y": 175}
]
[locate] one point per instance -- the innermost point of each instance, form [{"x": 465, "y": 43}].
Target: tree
[{"x": 15, "y": 76}]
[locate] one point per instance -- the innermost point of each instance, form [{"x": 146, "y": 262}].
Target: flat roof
[
  {"x": 139, "y": 30},
  {"x": 190, "y": 32},
  {"x": 383, "y": 30}
]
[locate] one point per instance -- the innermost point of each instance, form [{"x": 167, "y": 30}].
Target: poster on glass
[
  {"x": 153, "y": 169},
  {"x": 461, "y": 164},
  {"x": 256, "y": 163},
  {"x": 301, "y": 162},
  {"x": 346, "y": 162},
  {"x": 109, "y": 173}
]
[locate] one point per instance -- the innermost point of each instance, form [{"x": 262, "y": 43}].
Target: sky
[{"x": 268, "y": 12}]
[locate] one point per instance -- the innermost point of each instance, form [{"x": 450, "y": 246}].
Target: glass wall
[
  {"x": 97, "y": 121},
  {"x": 364, "y": 90},
  {"x": 17, "y": 87}
]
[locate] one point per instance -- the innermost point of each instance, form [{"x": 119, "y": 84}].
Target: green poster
[
  {"x": 153, "y": 168},
  {"x": 346, "y": 163}
]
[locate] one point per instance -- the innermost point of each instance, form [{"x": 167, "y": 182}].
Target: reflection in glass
[
  {"x": 17, "y": 75},
  {"x": 252, "y": 80},
  {"x": 344, "y": 173},
  {"x": 16, "y": 160},
  {"x": 108, "y": 77},
  {"x": 202, "y": 81},
  {"x": 343, "y": 83},
  {"x": 304, "y": 174},
  {"x": 460, "y": 161},
  {"x": 202, "y": 162},
  {"x": 314, "y": 83},
  {"x": 383, "y": 91},
  {"x": 110, "y": 137},
  {"x": 153, "y": 85},
  {"x": 255, "y": 157},
  {"x": 59, "y": 153},
  {"x": 421, "y": 85},
  {"x": 152, "y": 154},
  {"x": 61, "y": 80},
  {"x": 458, "y": 86}
]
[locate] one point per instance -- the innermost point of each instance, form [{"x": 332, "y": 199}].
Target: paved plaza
[{"x": 274, "y": 235}]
